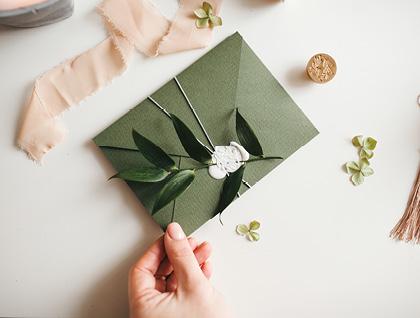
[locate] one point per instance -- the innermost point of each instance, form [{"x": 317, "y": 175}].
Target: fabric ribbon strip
[{"x": 132, "y": 25}]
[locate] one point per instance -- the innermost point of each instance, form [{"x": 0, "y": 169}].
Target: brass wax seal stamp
[{"x": 321, "y": 68}]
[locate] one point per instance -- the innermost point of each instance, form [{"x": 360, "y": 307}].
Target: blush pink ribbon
[{"x": 132, "y": 25}]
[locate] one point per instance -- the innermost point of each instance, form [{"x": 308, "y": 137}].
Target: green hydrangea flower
[
  {"x": 359, "y": 171},
  {"x": 249, "y": 231},
  {"x": 366, "y": 146},
  {"x": 206, "y": 18}
]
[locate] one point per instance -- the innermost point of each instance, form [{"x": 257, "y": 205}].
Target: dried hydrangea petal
[
  {"x": 254, "y": 225},
  {"x": 242, "y": 229},
  {"x": 253, "y": 236}
]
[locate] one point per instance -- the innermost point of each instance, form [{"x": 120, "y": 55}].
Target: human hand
[{"x": 171, "y": 280}]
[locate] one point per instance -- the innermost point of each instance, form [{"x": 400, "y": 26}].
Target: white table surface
[{"x": 68, "y": 237}]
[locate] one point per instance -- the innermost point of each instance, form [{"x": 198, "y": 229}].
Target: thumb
[{"x": 185, "y": 265}]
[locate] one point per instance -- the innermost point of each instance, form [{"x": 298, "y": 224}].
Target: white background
[{"x": 68, "y": 237}]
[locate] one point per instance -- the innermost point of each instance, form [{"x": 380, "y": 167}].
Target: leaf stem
[
  {"x": 262, "y": 158},
  {"x": 194, "y": 112},
  {"x": 169, "y": 116},
  {"x": 160, "y": 107},
  {"x": 196, "y": 117},
  {"x": 249, "y": 161},
  {"x": 136, "y": 150}
]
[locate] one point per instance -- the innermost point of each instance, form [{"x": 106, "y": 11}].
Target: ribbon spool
[{"x": 37, "y": 14}]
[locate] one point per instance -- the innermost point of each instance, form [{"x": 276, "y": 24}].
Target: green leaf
[
  {"x": 143, "y": 174},
  {"x": 352, "y": 167},
  {"x": 253, "y": 236},
  {"x": 200, "y": 13},
  {"x": 153, "y": 153},
  {"x": 369, "y": 143},
  {"x": 202, "y": 23},
  {"x": 231, "y": 187},
  {"x": 357, "y": 178},
  {"x": 357, "y": 141},
  {"x": 254, "y": 225},
  {"x": 177, "y": 184},
  {"x": 242, "y": 229},
  {"x": 207, "y": 8},
  {"x": 264, "y": 158},
  {"x": 246, "y": 136},
  {"x": 215, "y": 20},
  {"x": 192, "y": 145}
]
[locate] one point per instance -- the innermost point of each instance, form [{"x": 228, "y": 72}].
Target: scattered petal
[
  {"x": 352, "y": 167},
  {"x": 253, "y": 236},
  {"x": 363, "y": 163},
  {"x": 367, "y": 171},
  {"x": 369, "y": 143},
  {"x": 242, "y": 229},
  {"x": 357, "y": 178},
  {"x": 357, "y": 141},
  {"x": 215, "y": 20},
  {"x": 202, "y": 23},
  {"x": 366, "y": 153},
  {"x": 200, "y": 13},
  {"x": 254, "y": 225},
  {"x": 207, "y": 8}
]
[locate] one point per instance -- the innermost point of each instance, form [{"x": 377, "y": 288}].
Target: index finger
[{"x": 142, "y": 274}]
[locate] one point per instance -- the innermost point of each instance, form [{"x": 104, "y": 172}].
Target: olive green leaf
[
  {"x": 190, "y": 143},
  {"x": 205, "y": 17},
  {"x": 175, "y": 185},
  {"x": 153, "y": 153},
  {"x": 359, "y": 171},
  {"x": 142, "y": 174},
  {"x": 230, "y": 188},
  {"x": 246, "y": 136},
  {"x": 249, "y": 231}
]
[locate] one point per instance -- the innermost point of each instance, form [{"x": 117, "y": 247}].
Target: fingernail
[{"x": 175, "y": 231}]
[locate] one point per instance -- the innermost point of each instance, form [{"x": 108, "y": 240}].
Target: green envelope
[{"x": 227, "y": 77}]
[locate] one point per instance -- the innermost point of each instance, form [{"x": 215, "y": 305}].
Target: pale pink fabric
[{"x": 132, "y": 24}]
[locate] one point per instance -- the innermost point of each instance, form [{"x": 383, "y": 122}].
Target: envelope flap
[{"x": 227, "y": 77}]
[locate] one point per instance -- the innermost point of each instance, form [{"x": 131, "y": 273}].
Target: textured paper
[
  {"x": 228, "y": 76},
  {"x": 132, "y": 24}
]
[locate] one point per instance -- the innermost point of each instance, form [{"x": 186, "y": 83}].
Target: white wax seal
[{"x": 227, "y": 159}]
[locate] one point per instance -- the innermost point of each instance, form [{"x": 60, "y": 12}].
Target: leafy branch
[{"x": 177, "y": 181}]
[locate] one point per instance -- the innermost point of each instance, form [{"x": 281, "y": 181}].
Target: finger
[
  {"x": 207, "y": 269},
  {"x": 142, "y": 274},
  {"x": 165, "y": 268},
  {"x": 160, "y": 284},
  {"x": 202, "y": 254},
  {"x": 181, "y": 256},
  {"x": 171, "y": 283}
]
